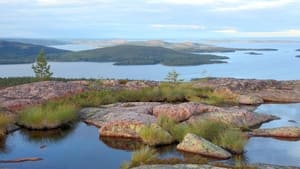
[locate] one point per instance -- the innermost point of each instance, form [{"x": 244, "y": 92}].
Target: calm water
[
  {"x": 281, "y": 65},
  {"x": 81, "y": 147}
]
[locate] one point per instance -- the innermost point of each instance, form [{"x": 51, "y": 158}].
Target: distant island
[
  {"x": 16, "y": 52},
  {"x": 298, "y": 50},
  {"x": 253, "y": 53},
  {"x": 298, "y": 56}
]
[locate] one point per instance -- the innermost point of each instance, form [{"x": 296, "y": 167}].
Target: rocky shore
[{"x": 125, "y": 120}]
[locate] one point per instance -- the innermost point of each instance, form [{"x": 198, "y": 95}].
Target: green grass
[
  {"x": 4, "y": 121},
  {"x": 162, "y": 93},
  {"x": 50, "y": 115},
  {"x": 153, "y": 135},
  {"x": 140, "y": 157},
  {"x": 233, "y": 140},
  {"x": 207, "y": 129}
]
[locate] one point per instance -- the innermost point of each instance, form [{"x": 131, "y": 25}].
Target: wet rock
[
  {"x": 235, "y": 116},
  {"x": 288, "y": 132},
  {"x": 194, "y": 144},
  {"x": 249, "y": 100},
  {"x": 134, "y": 111},
  {"x": 121, "y": 129},
  {"x": 18, "y": 97},
  {"x": 268, "y": 90},
  {"x": 177, "y": 166}
]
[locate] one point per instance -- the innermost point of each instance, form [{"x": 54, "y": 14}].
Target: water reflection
[
  {"x": 3, "y": 148},
  {"x": 122, "y": 143},
  {"x": 47, "y": 136}
]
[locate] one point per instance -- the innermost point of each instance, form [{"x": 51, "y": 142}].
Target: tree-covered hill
[
  {"x": 16, "y": 52},
  {"x": 141, "y": 55}
]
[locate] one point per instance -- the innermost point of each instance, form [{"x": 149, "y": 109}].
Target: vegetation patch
[
  {"x": 140, "y": 157},
  {"x": 153, "y": 135},
  {"x": 4, "y": 121},
  {"x": 233, "y": 140},
  {"x": 50, "y": 115}
]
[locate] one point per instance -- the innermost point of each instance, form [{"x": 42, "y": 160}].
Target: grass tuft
[
  {"x": 140, "y": 157},
  {"x": 52, "y": 114},
  {"x": 153, "y": 135},
  {"x": 233, "y": 139},
  {"x": 4, "y": 121}
]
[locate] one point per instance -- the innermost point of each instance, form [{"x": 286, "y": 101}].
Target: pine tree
[
  {"x": 41, "y": 67},
  {"x": 173, "y": 77}
]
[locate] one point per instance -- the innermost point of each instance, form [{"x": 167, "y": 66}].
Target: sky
[{"x": 149, "y": 19}]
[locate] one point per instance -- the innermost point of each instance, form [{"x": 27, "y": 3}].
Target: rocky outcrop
[
  {"x": 235, "y": 116},
  {"x": 143, "y": 112},
  {"x": 18, "y": 97},
  {"x": 178, "y": 166},
  {"x": 140, "y": 112},
  {"x": 177, "y": 112},
  {"x": 267, "y": 90},
  {"x": 285, "y": 132},
  {"x": 194, "y": 144},
  {"x": 122, "y": 84}
]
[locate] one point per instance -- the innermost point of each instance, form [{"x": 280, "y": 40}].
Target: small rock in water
[{"x": 43, "y": 146}]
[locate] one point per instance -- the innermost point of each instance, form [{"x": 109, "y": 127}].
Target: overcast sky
[{"x": 149, "y": 19}]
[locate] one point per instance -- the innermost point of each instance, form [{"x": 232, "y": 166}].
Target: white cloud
[
  {"x": 227, "y": 31},
  {"x": 229, "y": 5},
  {"x": 283, "y": 33},
  {"x": 255, "y": 5},
  {"x": 177, "y": 26}
]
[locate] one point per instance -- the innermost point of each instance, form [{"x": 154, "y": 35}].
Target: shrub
[
  {"x": 153, "y": 134},
  {"x": 140, "y": 157},
  {"x": 233, "y": 140},
  {"x": 47, "y": 116}
]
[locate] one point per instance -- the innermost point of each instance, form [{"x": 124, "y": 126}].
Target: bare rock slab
[
  {"x": 140, "y": 112},
  {"x": 235, "y": 117},
  {"x": 18, "y": 97},
  {"x": 194, "y": 144},
  {"x": 285, "y": 132}
]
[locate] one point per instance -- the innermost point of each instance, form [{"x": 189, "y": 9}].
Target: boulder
[
  {"x": 194, "y": 144},
  {"x": 285, "y": 132},
  {"x": 249, "y": 100}
]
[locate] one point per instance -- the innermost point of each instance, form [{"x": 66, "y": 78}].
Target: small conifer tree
[
  {"x": 173, "y": 77},
  {"x": 41, "y": 67}
]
